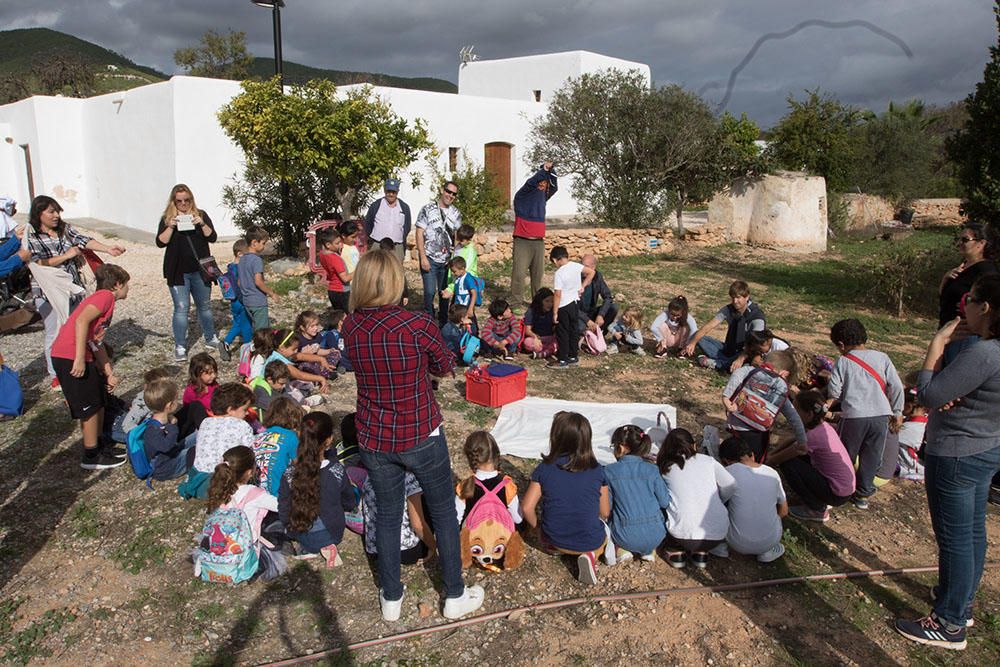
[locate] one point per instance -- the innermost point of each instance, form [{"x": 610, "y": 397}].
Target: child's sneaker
[
  {"x": 224, "y": 352},
  {"x": 613, "y": 348},
  {"x": 555, "y": 363},
  {"x": 470, "y": 600},
  {"x": 699, "y": 559},
  {"x": 639, "y": 352},
  {"x": 572, "y": 361},
  {"x": 648, "y": 558},
  {"x": 331, "y": 555},
  {"x": 676, "y": 559},
  {"x": 721, "y": 550},
  {"x": 96, "y": 459},
  {"x": 859, "y": 502},
  {"x": 969, "y": 621},
  {"x": 705, "y": 362},
  {"x": 180, "y": 353},
  {"x": 805, "y": 513},
  {"x": 391, "y": 609},
  {"x": 772, "y": 554},
  {"x": 662, "y": 354},
  {"x": 54, "y": 385},
  {"x": 931, "y": 631},
  {"x": 588, "y": 568},
  {"x": 623, "y": 555}
]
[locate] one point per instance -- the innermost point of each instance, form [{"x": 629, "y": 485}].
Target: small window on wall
[
  {"x": 538, "y": 95},
  {"x": 453, "y": 159}
]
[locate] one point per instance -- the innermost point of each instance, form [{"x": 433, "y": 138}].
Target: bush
[
  {"x": 479, "y": 199},
  {"x": 904, "y": 278}
]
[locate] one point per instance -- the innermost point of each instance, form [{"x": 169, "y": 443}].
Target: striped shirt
[{"x": 43, "y": 246}]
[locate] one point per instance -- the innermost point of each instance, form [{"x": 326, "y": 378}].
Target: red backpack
[{"x": 759, "y": 398}]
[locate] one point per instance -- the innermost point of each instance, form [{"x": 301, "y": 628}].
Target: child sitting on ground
[
  {"x": 203, "y": 372},
  {"x": 821, "y": 473},
  {"x": 673, "y": 327},
  {"x": 269, "y": 387},
  {"x": 257, "y": 352},
  {"x": 638, "y": 496},
  {"x": 465, "y": 290},
  {"x": 312, "y": 356},
  {"x": 753, "y": 398},
  {"x": 626, "y": 333},
  {"x": 699, "y": 486},
  {"x": 242, "y": 327},
  {"x": 573, "y": 491},
  {"x": 315, "y": 492},
  {"x": 741, "y": 317},
  {"x": 454, "y": 330},
  {"x": 286, "y": 349},
  {"x": 226, "y": 428},
  {"x": 483, "y": 455},
  {"x": 278, "y": 445},
  {"x": 754, "y": 529},
  {"x": 139, "y": 412},
  {"x": 337, "y": 276},
  {"x": 502, "y": 332},
  {"x": 333, "y": 339},
  {"x": 539, "y": 328},
  {"x": 911, "y": 437},
  {"x": 170, "y": 455},
  {"x": 757, "y": 346},
  {"x": 416, "y": 540},
  {"x": 871, "y": 394}
]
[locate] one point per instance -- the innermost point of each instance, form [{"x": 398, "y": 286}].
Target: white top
[
  {"x": 482, "y": 475},
  {"x": 754, "y": 524},
  {"x": 264, "y": 501},
  {"x": 569, "y": 280},
  {"x": 389, "y": 222},
  {"x": 351, "y": 256},
  {"x": 664, "y": 318},
  {"x": 697, "y": 493},
  {"x": 215, "y": 436}
]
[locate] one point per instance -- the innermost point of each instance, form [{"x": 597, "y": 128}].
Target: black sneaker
[
  {"x": 699, "y": 559},
  {"x": 676, "y": 560},
  {"x": 859, "y": 502},
  {"x": 100, "y": 460},
  {"x": 224, "y": 352},
  {"x": 994, "y": 496},
  {"x": 573, "y": 361},
  {"x": 969, "y": 621},
  {"x": 931, "y": 631},
  {"x": 555, "y": 363}
]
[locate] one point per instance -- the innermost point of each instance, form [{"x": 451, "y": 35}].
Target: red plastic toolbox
[{"x": 484, "y": 389}]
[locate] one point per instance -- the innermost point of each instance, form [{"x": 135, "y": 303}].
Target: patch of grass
[
  {"x": 286, "y": 284},
  {"x": 479, "y": 415},
  {"x": 213, "y": 611},
  {"x": 25, "y": 645},
  {"x": 144, "y": 549},
  {"x": 86, "y": 520}
]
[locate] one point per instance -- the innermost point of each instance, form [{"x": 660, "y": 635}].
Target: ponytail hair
[
  {"x": 314, "y": 437},
  {"x": 480, "y": 447},
  {"x": 680, "y": 304},
  {"x": 226, "y": 478},
  {"x": 812, "y": 406},
  {"x": 632, "y": 438}
]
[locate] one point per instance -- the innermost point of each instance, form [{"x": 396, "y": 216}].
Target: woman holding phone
[{"x": 185, "y": 231}]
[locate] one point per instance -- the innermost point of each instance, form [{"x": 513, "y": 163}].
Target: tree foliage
[
  {"x": 217, "y": 56},
  {"x": 312, "y": 138},
  {"x": 64, "y": 74},
  {"x": 480, "y": 199},
  {"x": 637, "y": 152},
  {"x": 976, "y": 147},
  {"x": 895, "y": 153}
]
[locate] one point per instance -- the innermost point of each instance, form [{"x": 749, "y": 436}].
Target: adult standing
[
  {"x": 389, "y": 218},
  {"x": 596, "y": 315},
  {"x": 978, "y": 247},
  {"x": 53, "y": 242},
  {"x": 400, "y": 428},
  {"x": 437, "y": 223},
  {"x": 185, "y": 231},
  {"x": 529, "y": 231},
  {"x": 961, "y": 455}
]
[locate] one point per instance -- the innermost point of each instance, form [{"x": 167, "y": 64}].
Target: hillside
[
  {"x": 295, "y": 73},
  {"x": 20, "y": 49}
]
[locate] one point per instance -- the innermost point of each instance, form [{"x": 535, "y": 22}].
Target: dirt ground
[{"x": 94, "y": 568}]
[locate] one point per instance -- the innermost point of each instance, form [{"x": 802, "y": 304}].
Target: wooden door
[{"x": 497, "y": 161}]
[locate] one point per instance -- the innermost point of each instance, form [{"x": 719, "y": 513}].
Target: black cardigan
[{"x": 178, "y": 258}]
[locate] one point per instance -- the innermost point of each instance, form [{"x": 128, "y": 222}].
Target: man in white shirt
[
  {"x": 389, "y": 218},
  {"x": 568, "y": 284}
]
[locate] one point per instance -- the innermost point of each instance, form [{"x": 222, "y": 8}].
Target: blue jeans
[
  {"x": 435, "y": 281},
  {"x": 241, "y": 324},
  {"x": 193, "y": 287},
  {"x": 712, "y": 347},
  {"x": 429, "y": 463},
  {"x": 957, "y": 490}
]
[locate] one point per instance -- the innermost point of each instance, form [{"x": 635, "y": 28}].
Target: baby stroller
[{"x": 16, "y": 307}]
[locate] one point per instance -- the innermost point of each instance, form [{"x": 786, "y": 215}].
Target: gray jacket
[{"x": 859, "y": 393}]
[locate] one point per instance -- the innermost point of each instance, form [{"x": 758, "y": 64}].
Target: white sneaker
[
  {"x": 471, "y": 600},
  {"x": 649, "y": 558},
  {"x": 214, "y": 343},
  {"x": 623, "y": 555},
  {"x": 772, "y": 554},
  {"x": 720, "y": 550},
  {"x": 180, "y": 353},
  {"x": 391, "y": 609},
  {"x": 314, "y": 400},
  {"x": 639, "y": 352},
  {"x": 613, "y": 348}
]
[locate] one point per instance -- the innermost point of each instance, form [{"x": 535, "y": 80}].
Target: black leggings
[
  {"x": 567, "y": 335},
  {"x": 810, "y": 485}
]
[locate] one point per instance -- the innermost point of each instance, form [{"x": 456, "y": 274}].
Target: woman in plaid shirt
[
  {"x": 394, "y": 352},
  {"x": 52, "y": 242}
]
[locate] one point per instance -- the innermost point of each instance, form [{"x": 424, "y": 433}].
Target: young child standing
[
  {"x": 465, "y": 291},
  {"x": 673, "y": 327},
  {"x": 242, "y": 326},
  {"x": 638, "y": 496},
  {"x": 502, "y": 332},
  {"x": 202, "y": 383},
  {"x": 254, "y": 292},
  {"x": 337, "y": 275},
  {"x": 466, "y": 249},
  {"x": 741, "y": 317},
  {"x": 170, "y": 455},
  {"x": 626, "y": 333},
  {"x": 454, "y": 330},
  {"x": 754, "y": 529},
  {"x": 871, "y": 394},
  {"x": 278, "y": 445},
  {"x": 226, "y": 428},
  {"x": 697, "y": 519},
  {"x": 349, "y": 230},
  {"x": 573, "y": 491},
  {"x": 539, "y": 328},
  {"x": 83, "y": 368},
  {"x": 315, "y": 492},
  {"x": 570, "y": 280}
]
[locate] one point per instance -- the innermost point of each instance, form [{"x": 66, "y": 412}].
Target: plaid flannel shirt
[
  {"x": 43, "y": 246},
  {"x": 394, "y": 353}
]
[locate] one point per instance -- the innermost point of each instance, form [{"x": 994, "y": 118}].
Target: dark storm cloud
[{"x": 694, "y": 44}]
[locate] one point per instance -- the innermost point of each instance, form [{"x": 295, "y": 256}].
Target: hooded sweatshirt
[{"x": 529, "y": 205}]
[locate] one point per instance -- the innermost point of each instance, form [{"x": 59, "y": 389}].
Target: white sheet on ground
[{"x": 523, "y": 426}]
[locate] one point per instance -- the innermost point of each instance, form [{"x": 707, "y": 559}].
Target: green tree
[
  {"x": 481, "y": 201},
  {"x": 976, "y": 147},
  {"x": 64, "y": 74},
  {"x": 344, "y": 145},
  {"x": 816, "y": 136},
  {"x": 217, "y": 56},
  {"x": 13, "y": 88}
]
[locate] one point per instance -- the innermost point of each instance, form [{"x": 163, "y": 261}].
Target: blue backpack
[
  {"x": 474, "y": 283},
  {"x": 11, "y": 396},
  {"x": 226, "y": 553},
  {"x": 141, "y": 465},
  {"x": 469, "y": 345},
  {"x": 229, "y": 283}
]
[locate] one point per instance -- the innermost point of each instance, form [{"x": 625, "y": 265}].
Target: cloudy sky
[{"x": 696, "y": 44}]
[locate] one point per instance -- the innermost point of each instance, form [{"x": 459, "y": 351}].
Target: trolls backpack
[
  {"x": 226, "y": 552},
  {"x": 229, "y": 283},
  {"x": 136, "y": 450},
  {"x": 469, "y": 345},
  {"x": 243, "y": 366},
  {"x": 759, "y": 398}
]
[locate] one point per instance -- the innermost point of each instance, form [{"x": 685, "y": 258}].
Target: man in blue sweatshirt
[{"x": 529, "y": 231}]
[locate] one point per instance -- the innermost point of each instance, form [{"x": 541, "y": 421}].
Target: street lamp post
[{"x": 275, "y": 7}]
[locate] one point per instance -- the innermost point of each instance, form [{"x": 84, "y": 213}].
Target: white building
[{"x": 115, "y": 157}]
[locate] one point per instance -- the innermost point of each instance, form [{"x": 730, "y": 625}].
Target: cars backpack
[
  {"x": 136, "y": 450},
  {"x": 229, "y": 283},
  {"x": 226, "y": 552},
  {"x": 469, "y": 345},
  {"x": 759, "y": 398}
]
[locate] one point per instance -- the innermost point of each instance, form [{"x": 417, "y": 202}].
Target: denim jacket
[{"x": 638, "y": 497}]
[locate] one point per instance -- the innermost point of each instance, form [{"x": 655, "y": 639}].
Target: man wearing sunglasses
[
  {"x": 437, "y": 223},
  {"x": 529, "y": 231}
]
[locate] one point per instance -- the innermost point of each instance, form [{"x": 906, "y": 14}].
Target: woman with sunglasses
[
  {"x": 978, "y": 246},
  {"x": 962, "y": 454},
  {"x": 185, "y": 231}
]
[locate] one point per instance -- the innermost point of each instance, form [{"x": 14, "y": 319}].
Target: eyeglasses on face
[
  {"x": 966, "y": 239},
  {"x": 453, "y": 193},
  {"x": 182, "y": 200}
]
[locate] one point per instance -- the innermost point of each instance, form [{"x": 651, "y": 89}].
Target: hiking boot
[
  {"x": 97, "y": 459},
  {"x": 932, "y": 631},
  {"x": 587, "y": 565},
  {"x": 391, "y": 609},
  {"x": 805, "y": 513},
  {"x": 470, "y": 600},
  {"x": 859, "y": 502},
  {"x": 699, "y": 559},
  {"x": 969, "y": 621},
  {"x": 772, "y": 554}
]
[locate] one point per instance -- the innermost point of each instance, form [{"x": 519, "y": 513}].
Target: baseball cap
[{"x": 391, "y": 184}]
